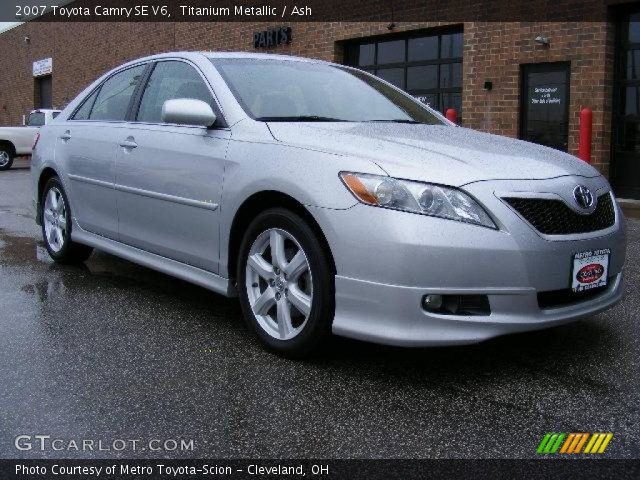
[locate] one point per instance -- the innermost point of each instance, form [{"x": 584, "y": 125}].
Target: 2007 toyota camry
[{"x": 326, "y": 199}]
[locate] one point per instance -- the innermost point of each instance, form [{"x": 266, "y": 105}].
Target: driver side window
[{"x": 170, "y": 80}]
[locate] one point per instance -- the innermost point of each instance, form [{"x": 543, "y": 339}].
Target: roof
[
  {"x": 212, "y": 55},
  {"x": 263, "y": 56}
]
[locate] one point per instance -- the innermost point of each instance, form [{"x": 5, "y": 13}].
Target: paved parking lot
[{"x": 111, "y": 350}]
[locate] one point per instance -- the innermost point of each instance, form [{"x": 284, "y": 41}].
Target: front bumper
[
  {"x": 392, "y": 314},
  {"x": 387, "y": 261}
]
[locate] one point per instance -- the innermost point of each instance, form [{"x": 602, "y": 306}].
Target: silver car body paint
[{"x": 169, "y": 204}]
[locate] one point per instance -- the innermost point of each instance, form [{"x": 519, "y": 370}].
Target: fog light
[{"x": 432, "y": 302}]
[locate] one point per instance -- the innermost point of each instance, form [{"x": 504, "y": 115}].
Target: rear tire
[
  {"x": 6, "y": 157},
  {"x": 285, "y": 284},
  {"x": 55, "y": 213}
]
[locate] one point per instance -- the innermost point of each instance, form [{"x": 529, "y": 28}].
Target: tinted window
[
  {"x": 55, "y": 114},
  {"x": 633, "y": 65},
  {"x": 423, "y": 48},
  {"x": 634, "y": 28},
  {"x": 367, "y": 54},
  {"x": 428, "y": 66},
  {"x": 391, "y": 52},
  {"x": 393, "y": 75},
  {"x": 451, "y": 45},
  {"x": 83, "y": 112},
  {"x": 451, "y": 75},
  {"x": 422, "y": 78},
  {"x": 271, "y": 90},
  {"x": 36, "y": 119},
  {"x": 171, "y": 80},
  {"x": 632, "y": 101},
  {"x": 114, "y": 96}
]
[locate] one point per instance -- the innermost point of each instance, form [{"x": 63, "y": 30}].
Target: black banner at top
[{"x": 310, "y": 10}]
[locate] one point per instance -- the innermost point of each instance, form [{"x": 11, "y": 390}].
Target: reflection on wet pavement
[{"x": 113, "y": 350}]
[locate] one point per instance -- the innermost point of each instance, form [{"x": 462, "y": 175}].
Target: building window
[{"x": 428, "y": 66}]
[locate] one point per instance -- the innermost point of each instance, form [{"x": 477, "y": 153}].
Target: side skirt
[{"x": 195, "y": 275}]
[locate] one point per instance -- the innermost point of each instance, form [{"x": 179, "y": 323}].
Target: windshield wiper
[
  {"x": 395, "y": 120},
  {"x": 301, "y": 118}
]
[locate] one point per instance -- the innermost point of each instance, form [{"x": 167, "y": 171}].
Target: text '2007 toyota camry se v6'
[{"x": 327, "y": 200}]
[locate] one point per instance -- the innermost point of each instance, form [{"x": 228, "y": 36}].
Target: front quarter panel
[{"x": 308, "y": 176}]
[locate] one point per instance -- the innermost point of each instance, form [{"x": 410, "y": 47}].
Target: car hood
[{"x": 434, "y": 153}]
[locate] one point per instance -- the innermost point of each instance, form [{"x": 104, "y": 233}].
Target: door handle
[
  {"x": 66, "y": 136},
  {"x": 129, "y": 143}
]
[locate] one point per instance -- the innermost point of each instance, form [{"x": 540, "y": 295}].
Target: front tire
[
  {"x": 56, "y": 225},
  {"x": 285, "y": 283},
  {"x": 6, "y": 157}
]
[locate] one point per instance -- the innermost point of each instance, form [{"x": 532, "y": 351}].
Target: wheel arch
[
  {"x": 46, "y": 174},
  {"x": 254, "y": 205},
  {"x": 10, "y": 145}
]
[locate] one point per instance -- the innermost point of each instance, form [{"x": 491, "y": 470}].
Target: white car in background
[{"x": 18, "y": 141}]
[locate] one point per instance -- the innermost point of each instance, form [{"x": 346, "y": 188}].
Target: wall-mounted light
[
  {"x": 542, "y": 40},
  {"x": 27, "y": 39},
  {"x": 391, "y": 26},
  {"x": 488, "y": 85}
]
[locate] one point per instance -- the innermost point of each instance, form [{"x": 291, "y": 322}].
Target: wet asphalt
[{"x": 111, "y": 350}]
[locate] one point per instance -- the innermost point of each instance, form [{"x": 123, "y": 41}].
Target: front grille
[
  {"x": 566, "y": 297},
  {"x": 554, "y": 217}
]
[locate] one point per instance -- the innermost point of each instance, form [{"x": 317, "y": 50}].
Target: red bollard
[
  {"x": 584, "y": 148},
  {"x": 451, "y": 115}
]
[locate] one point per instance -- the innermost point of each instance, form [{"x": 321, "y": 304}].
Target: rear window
[
  {"x": 55, "y": 114},
  {"x": 36, "y": 119},
  {"x": 83, "y": 112},
  {"x": 111, "y": 100}
]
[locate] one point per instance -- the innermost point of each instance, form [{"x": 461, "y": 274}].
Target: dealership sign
[
  {"x": 42, "y": 67},
  {"x": 272, "y": 37}
]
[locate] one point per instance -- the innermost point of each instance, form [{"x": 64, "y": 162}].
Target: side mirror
[{"x": 188, "y": 111}]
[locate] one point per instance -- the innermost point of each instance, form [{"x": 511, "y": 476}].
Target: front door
[
  {"x": 544, "y": 104},
  {"x": 625, "y": 174},
  {"x": 169, "y": 177}
]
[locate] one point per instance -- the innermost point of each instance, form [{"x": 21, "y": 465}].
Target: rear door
[
  {"x": 87, "y": 145},
  {"x": 169, "y": 177}
]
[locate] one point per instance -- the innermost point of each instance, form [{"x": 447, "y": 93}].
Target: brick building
[{"x": 520, "y": 79}]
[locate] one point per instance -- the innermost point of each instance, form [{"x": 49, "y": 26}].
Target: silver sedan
[{"x": 327, "y": 200}]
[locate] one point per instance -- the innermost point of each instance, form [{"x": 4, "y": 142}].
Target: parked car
[
  {"x": 17, "y": 141},
  {"x": 327, "y": 200}
]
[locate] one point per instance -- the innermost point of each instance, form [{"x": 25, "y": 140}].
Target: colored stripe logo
[{"x": 573, "y": 443}]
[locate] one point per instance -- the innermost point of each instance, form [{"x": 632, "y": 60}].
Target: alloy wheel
[
  {"x": 279, "y": 283},
  {"x": 4, "y": 158},
  {"x": 55, "y": 219}
]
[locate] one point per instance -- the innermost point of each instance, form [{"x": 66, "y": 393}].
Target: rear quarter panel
[{"x": 43, "y": 157}]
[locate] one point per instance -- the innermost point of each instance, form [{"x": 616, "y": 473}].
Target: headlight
[{"x": 416, "y": 197}]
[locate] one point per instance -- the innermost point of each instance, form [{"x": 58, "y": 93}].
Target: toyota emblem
[{"x": 583, "y": 196}]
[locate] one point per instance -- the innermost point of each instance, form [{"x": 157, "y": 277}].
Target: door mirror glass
[{"x": 188, "y": 111}]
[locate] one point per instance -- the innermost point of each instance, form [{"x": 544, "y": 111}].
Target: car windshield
[{"x": 286, "y": 90}]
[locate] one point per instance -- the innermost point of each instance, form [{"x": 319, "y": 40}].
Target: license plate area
[{"x": 590, "y": 270}]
